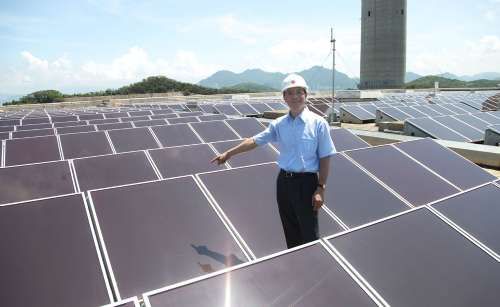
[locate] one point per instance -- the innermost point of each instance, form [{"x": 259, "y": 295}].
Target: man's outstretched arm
[{"x": 247, "y": 145}]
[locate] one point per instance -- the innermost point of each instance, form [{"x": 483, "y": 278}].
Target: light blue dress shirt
[{"x": 302, "y": 141}]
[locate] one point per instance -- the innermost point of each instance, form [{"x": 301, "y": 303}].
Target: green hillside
[{"x": 428, "y": 82}]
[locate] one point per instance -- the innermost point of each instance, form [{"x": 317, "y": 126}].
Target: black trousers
[{"x": 294, "y": 196}]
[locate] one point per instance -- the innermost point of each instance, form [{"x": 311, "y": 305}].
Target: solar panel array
[{"x": 117, "y": 213}]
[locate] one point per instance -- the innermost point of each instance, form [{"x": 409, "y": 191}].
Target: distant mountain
[
  {"x": 428, "y": 82},
  {"x": 451, "y": 76},
  {"x": 410, "y": 76},
  {"x": 317, "y": 77},
  {"x": 250, "y": 88},
  {"x": 479, "y": 76}
]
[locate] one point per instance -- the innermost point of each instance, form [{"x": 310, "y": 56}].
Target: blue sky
[{"x": 93, "y": 45}]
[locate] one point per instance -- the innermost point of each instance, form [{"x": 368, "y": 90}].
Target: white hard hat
[{"x": 294, "y": 80}]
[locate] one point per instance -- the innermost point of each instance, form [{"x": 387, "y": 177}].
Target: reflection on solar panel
[
  {"x": 343, "y": 139},
  {"x": 417, "y": 260},
  {"x": 247, "y": 195},
  {"x": 175, "y": 135},
  {"x": 48, "y": 251},
  {"x": 113, "y": 170},
  {"x": 408, "y": 178},
  {"x": 355, "y": 197},
  {"x": 88, "y": 144},
  {"x": 246, "y": 127},
  {"x": 477, "y": 213},
  {"x": 448, "y": 164},
  {"x": 32, "y": 181},
  {"x": 132, "y": 139},
  {"x": 31, "y": 150},
  {"x": 214, "y": 131},
  {"x": 174, "y": 252},
  {"x": 184, "y": 160},
  {"x": 261, "y": 154},
  {"x": 309, "y": 276}
]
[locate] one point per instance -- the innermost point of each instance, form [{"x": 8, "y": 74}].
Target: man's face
[{"x": 295, "y": 98}]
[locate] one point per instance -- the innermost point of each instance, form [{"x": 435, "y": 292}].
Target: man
[{"x": 305, "y": 148}]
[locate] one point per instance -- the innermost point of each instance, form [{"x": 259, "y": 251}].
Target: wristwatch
[{"x": 323, "y": 186}]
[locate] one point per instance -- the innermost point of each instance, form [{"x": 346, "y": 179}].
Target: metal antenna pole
[{"x": 332, "y": 40}]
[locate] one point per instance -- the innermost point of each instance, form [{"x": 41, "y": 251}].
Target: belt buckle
[{"x": 289, "y": 174}]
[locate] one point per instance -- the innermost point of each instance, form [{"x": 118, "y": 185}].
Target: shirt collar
[{"x": 302, "y": 116}]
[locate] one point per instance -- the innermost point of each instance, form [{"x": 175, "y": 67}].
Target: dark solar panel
[
  {"x": 412, "y": 112},
  {"x": 408, "y": 178},
  {"x": 473, "y": 121},
  {"x": 60, "y": 119},
  {"x": 6, "y": 128},
  {"x": 477, "y": 213},
  {"x": 248, "y": 195},
  {"x": 246, "y": 127},
  {"x": 345, "y": 140},
  {"x": 355, "y": 197},
  {"x": 207, "y": 108},
  {"x": 9, "y": 122},
  {"x": 175, "y": 135},
  {"x": 429, "y": 111},
  {"x": 33, "y": 121},
  {"x": 4, "y": 135},
  {"x": 277, "y": 105},
  {"x": 115, "y": 115},
  {"x": 140, "y": 113},
  {"x": 161, "y": 116},
  {"x": 358, "y": 112},
  {"x": 132, "y": 139},
  {"x": 182, "y": 120},
  {"x": 470, "y": 132},
  {"x": 244, "y": 108},
  {"x": 305, "y": 277},
  {"x": 214, "y": 131},
  {"x": 418, "y": 260},
  {"x": 103, "y": 121},
  {"x": 485, "y": 116},
  {"x": 113, "y": 170},
  {"x": 448, "y": 164},
  {"x": 126, "y": 303},
  {"x": 31, "y": 150},
  {"x": 75, "y": 129},
  {"x": 48, "y": 251},
  {"x": 261, "y": 107},
  {"x": 261, "y": 154},
  {"x": 435, "y": 129},
  {"x": 206, "y": 118},
  {"x": 25, "y": 182},
  {"x": 34, "y": 127},
  {"x": 165, "y": 111},
  {"x": 179, "y": 235},
  {"x": 153, "y": 122},
  {"x": 79, "y": 145},
  {"x": 226, "y": 109},
  {"x": 188, "y": 114},
  {"x": 184, "y": 160},
  {"x": 135, "y": 118},
  {"x": 91, "y": 116},
  {"x": 32, "y": 133},
  {"x": 113, "y": 126},
  {"x": 70, "y": 124},
  {"x": 394, "y": 113}
]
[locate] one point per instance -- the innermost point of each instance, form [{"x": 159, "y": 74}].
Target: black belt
[{"x": 288, "y": 174}]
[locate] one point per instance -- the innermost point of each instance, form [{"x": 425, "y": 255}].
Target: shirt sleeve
[
  {"x": 325, "y": 144},
  {"x": 266, "y": 136}
]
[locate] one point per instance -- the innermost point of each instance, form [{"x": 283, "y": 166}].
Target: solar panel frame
[
  {"x": 389, "y": 253},
  {"x": 423, "y": 186},
  {"x": 31, "y": 150},
  {"x": 274, "y": 263},
  {"x": 93, "y": 199},
  {"x": 72, "y": 226},
  {"x": 36, "y": 180},
  {"x": 131, "y": 302},
  {"x": 78, "y": 145}
]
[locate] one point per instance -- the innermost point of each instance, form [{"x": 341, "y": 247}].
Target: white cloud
[
  {"x": 129, "y": 67},
  {"x": 234, "y": 28}
]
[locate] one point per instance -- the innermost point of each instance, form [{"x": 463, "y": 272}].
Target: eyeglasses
[{"x": 295, "y": 91}]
